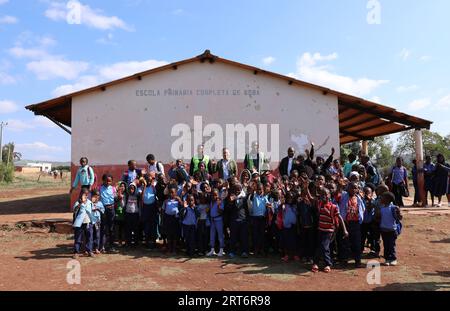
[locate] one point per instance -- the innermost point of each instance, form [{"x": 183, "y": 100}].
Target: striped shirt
[{"x": 327, "y": 213}]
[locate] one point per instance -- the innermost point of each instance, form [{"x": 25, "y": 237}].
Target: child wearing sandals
[{"x": 329, "y": 219}]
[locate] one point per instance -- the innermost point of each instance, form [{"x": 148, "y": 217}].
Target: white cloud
[
  {"x": 38, "y": 147},
  {"x": 33, "y": 53},
  {"x": 3, "y": 1},
  {"x": 404, "y": 54},
  {"x": 444, "y": 103},
  {"x": 108, "y": 73},
  {"x": 419, "y": 104},
  {"x": 178, "y": 12},
  {"x": 123, "y": 69},
  {"x": 268, "y": 60},
  {"x": 7, "y": 19},
  {"x": 8, "y": 106},
  {"x": 83, "y": 83},
  {"x": 40, "y": 121},
  {"x": 425, "y": 58},
  {"x": 376, "y": 99},
  {"x": 57, "y": 68},
  {"x": 93, "y": 18},
  {"x": 19, "y": 125},
  {"x": 406, "y": 88},
  {"x": 309, "y": 70},
  {"x": 108, "y": 39},
  {"x": 6, "y": 78}
]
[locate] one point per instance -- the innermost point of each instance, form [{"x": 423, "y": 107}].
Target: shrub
[{"x": 6, "y": 173}]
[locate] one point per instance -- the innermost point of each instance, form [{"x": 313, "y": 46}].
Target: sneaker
[
  {"x": 387, "y": 263},
  {"x": 393, "y": 263},
  {"x": 285, "y": 258},
  {"x": 438, "y": 205},
  {"x": 91, "y": 254},
  {"x": 221, "y": 253},
  {"x": 231, "y": 255},
  {"x": 97, "y": 252},
  {"x": 75, "y": 256},
  {"x": 244, "y": 255},
  {"x": 211, "y": 253}
]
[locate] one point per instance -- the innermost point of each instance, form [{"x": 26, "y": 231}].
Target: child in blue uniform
[{"x": 82, "y": 224}]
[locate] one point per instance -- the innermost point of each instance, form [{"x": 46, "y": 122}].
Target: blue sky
[{"x": 402, "y": 61}]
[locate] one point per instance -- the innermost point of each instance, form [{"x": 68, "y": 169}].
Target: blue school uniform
[
  {"x": 171, "y": 221},
  {"x": 84, "y": 177},
  {"x": 97, "y": 224},
  {"x": 189, "y": 225},
  {"x": 81, "y": 211},
  {"x": 388, "y": 226},
  {"x": 289, "y": 216},
  {"x": 259, "y": 205},
  {"x": 107, "y": 195},
  {"x": 343, "y": 205},
  {"x": 190, "y": 218},
  {"x": 82, "y": 225},
  {"x": 215, "y": 214}
]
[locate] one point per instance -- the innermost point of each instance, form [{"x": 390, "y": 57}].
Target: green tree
[
  {"x": 7, "y": 162},
  {"x": 346, "y": 149},
  {"x": 380, "y": 151},
  {"x": 433, "y": 144}
]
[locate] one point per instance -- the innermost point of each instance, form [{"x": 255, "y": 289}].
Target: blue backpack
[{"x": 398, "y": 223}]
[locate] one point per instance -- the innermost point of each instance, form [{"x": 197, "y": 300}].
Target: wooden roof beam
[{"x": 383, "y": 115}]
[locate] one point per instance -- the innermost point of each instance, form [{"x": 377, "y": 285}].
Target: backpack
[
  {"x": 398, "y": 223},
  {"x": 376, "y": 179}
]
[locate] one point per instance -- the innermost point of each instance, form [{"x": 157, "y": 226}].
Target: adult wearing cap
[{"x": 200, "y": 157}]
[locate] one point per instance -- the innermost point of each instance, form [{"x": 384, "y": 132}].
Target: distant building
[{"x": 40, "y": 167}]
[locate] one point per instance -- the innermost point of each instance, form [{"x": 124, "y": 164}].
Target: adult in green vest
[
  {"x": 255, "y": 160},
  {"x": 200, "y": 157},
  {"x": 225, "y": 167}
]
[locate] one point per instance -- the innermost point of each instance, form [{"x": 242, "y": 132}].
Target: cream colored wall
[{"x": 115, "y": 125}]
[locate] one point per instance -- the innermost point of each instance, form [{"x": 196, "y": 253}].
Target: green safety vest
[{"x": 197, "y": 161}]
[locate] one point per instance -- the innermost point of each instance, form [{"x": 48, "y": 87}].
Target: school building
[{"x": 171, "y": 109}]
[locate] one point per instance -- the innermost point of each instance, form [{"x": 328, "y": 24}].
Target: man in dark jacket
[
  {"x": 226, "y": 167},
  {"x": 288, "y": 163}
]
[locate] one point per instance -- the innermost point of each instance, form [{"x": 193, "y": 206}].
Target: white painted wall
[{"x": 116, "y": 125}]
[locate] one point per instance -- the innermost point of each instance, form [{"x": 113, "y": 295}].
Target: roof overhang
[{"x": 359, "y": 119}]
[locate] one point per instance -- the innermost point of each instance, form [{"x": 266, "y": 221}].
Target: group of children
[{"x": 316, "y": 213}]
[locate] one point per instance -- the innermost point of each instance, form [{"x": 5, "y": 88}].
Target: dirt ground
[{"x": 33, "y": 259}]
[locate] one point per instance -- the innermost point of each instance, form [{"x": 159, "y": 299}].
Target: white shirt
[
  {"x": 154, "y": 168},
  {"x": 289, "y": 168},
  {"x": 226, "y": 172}
]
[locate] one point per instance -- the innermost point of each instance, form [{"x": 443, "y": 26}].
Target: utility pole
[{"x": 2, "y": 124}]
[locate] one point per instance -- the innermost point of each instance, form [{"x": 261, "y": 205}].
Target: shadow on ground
[{"x": 48, "y": 204}]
